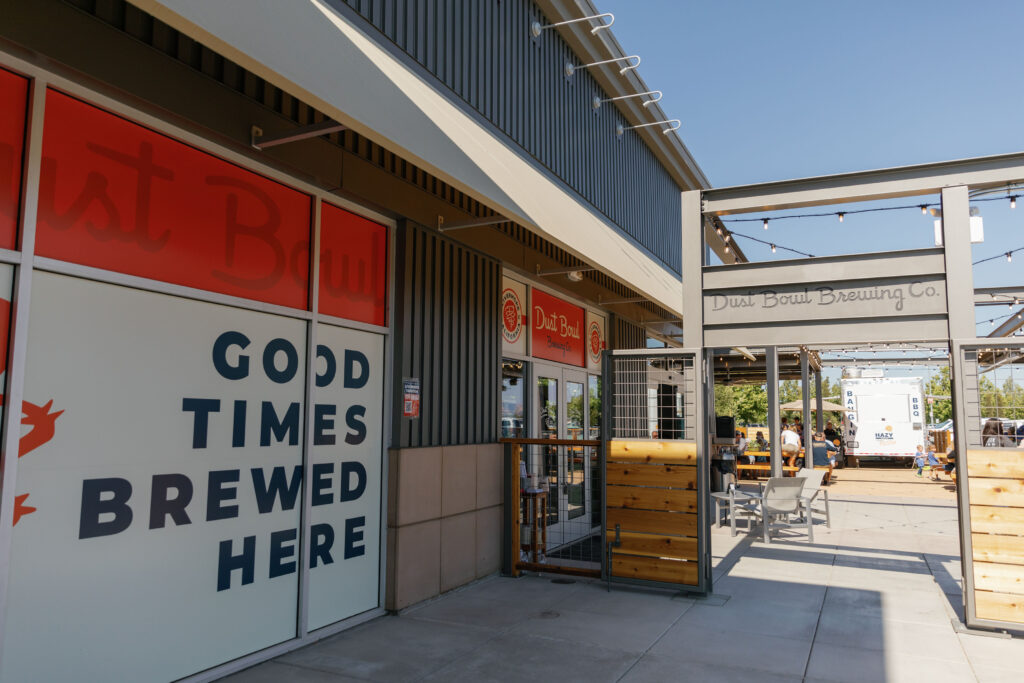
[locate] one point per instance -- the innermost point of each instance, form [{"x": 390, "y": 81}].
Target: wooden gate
[{"x": 655, "y": 521}]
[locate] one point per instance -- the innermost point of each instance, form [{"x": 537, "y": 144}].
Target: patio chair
[
  {"x": 781, "y": 499},
  {"x": 811, "y": 492}
]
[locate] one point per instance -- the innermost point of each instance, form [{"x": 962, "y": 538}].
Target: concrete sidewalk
[{"x": 872, "y": 599}]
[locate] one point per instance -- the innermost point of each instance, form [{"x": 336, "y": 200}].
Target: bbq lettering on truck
[{"x": 107, "y": 506}]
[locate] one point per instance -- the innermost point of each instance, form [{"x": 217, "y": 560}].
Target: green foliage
[{"x": 939, "y": 385}]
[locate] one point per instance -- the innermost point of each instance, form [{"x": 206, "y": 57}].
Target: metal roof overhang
[{"x": 318, "y": 55}]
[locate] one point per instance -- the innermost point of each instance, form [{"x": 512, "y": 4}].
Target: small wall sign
[{"x": 411, "y": 397}]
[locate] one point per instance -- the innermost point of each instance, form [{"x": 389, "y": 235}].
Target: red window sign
[
  {"x": 13, "y": 111},
  {"x": 353, "y": 267},
  {"x": 557, "y": 330},
  {"x": 118, "y": 196}
]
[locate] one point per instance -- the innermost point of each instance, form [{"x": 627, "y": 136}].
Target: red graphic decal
[
  {"x": 118, "y": 196},
  {"x": 20, "y": 508},
  {"x": 595, "y": 341},
  {"x": 353, "y": 266},
  {"x": 13, "y": 112},
  {"x": 42, "y": 422},
  {"x": 557, "y": 330},
  {"x": 511, "y": 315}
]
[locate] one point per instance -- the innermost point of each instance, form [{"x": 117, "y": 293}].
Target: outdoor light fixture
[
  {"x": 1013, "y": 202},
  {"x": 924, "y": 210},
  {"x": 674, "y": 125},
  {"x": 773, "y": 248},
  {"x": 1009, "y": 256},
  {"x": 575, "y": 275},
  {"x": 765, "y": 223},
  {"x": 571, "y": 68},
  {"x": 598, "y": 101},
  {"x": 536, "y": 27},
  {"x": 841, "y": 214}
]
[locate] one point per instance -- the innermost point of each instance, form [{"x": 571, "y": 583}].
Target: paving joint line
[{"x": 656, "y": 641}]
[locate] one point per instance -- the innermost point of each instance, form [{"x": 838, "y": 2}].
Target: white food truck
[{"x": 883, "y": 416}]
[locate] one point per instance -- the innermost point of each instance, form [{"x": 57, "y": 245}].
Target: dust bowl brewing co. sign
[{"x": 557, "y": 330}]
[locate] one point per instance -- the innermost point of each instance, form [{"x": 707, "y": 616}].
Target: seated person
[
  {"x": 741, "y": 445},
  {"x": 760, "y": 445},
  {"x": 821, "y": 450},
  {"x": 950, "y": 467}
]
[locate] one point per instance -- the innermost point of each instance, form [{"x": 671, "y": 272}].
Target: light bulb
[
  {"x": 1009, "y": 256},
  {"x": 719, "y": 231},
  {"x": 765, "y": 223},
  {"x": 1013, "y": 202},
  {"x": 773, "y": 248},
  {"x": 841, "y": 214},
  {"x": 727, "y": 249},
  {"x": 727, "y": 238},
  {"x": 924, "y": 210}
]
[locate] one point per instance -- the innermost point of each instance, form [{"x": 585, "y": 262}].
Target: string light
[
  {"x": 1007, "y": 254},
  {"x": 773, "y": 246},
  {"x": 1013, "y": 201},
  {"x": 842, "y": 214}
]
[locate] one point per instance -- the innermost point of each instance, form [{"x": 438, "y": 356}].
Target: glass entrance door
[{"x": 561, "y": 412}]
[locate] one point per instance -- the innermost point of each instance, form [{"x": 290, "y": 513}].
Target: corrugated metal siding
[
  {"x": 484, "y": 53},
  {"x": 447, "y": 315},
  {"x": 628, "y": 335}
]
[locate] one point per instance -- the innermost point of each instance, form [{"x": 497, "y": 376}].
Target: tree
[
  {"x": 752, "y": 404},
  {"x": 939, "y": 385}
]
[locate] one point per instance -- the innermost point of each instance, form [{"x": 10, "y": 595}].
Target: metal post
[
  {"x": 956, "y": 242},
  {"x": 819, "y": 419},
  {"x": 771, "y": 355},
  {"x": 805, "y": 395},
  {"x": 692, "y": 304}
]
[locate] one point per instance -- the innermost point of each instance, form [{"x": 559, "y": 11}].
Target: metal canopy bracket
[
  {"x": 471, "y": 223},
  {"x": 259, "y": 142}
]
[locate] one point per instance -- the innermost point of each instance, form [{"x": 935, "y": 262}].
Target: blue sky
[{"x": 789, "y": 89}]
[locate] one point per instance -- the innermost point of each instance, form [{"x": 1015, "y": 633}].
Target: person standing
[{"x": 830, "y": 432}]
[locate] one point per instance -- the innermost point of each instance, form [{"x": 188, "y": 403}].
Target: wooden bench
[{"x": 767, "y": 468}]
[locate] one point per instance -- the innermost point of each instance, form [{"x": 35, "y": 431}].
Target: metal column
[
  {"x": 805, "y": 396},
  {"x": 819, "y": 419},
  {"x": 771, "y": 356}
]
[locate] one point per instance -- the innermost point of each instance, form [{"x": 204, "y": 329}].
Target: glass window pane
[
  {"x": 513, "y": 425},
  {"x": 547, "y": 401},
  {"x": 595, "y": 407}
]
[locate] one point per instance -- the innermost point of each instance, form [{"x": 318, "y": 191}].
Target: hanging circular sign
[
  {"x": 511, "y": 316},
  {"x": 594, "y": 333}
]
